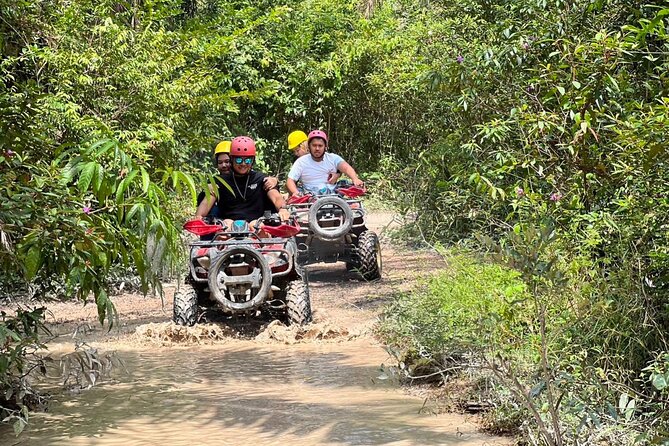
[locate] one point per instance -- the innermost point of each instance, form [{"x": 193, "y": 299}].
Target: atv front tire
[
  {"x": 369, "y": 263},
  {"x": 185, "y": 307},
  {"x": 298, "y": 303}
]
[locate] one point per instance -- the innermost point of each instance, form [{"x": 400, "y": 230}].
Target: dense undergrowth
[
  {"x": 522, "y": 345},
  {"x": 552, "y": 154},
  {"x": 534, "y": 129}
]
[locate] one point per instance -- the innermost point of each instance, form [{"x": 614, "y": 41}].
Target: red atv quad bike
[
  {"x": 333, "y": 229},
  {"x": 241, "y": 273}
]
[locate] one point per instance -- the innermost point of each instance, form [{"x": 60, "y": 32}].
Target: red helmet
[
  {"x": 318, "y": 134},
  {"x": 242, "y": 146}
]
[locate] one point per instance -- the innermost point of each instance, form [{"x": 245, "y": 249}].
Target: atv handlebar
[
  {"x": 203, "y": 227},
  {"x": 270, "y": 223},
  {"x": 273, "y": 225},
  {"x": 342, "y": 191}
]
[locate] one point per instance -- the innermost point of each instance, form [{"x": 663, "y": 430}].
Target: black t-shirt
[{"x": 248, "y": 199}]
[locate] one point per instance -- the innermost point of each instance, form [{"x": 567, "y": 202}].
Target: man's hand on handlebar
[
  {"x": 358, "y": 182},
  {"x": 284, "y": 214}
]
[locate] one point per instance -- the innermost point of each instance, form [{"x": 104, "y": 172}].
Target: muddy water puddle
[
  {"x": 220, "y": 384},
  {"x": 244, "y": 392}
]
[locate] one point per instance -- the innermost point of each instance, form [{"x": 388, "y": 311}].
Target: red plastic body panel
[
  {"x": 282, "y": 231},
  {"x": 351, "y": 192},
  {"x": 299, "y": 200},
  {"x": 198, "y": 227}
]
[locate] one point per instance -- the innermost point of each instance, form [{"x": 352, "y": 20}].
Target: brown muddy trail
[{"x": 243, "y": 382}]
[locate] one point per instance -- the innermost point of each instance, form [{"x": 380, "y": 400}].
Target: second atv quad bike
[
  {"x": 239, "y": 272},
  {"x": 333, "y": 229}
]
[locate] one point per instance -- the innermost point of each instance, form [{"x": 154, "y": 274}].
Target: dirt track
[
  {"x": 340, "y": 299},
  {"x": 268, "y": 384}
]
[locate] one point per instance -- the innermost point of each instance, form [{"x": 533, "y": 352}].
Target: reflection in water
[{"x": 243, "y": 393}]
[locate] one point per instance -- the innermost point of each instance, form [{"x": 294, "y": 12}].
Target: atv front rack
[
  {"x": 301, "y": 212},
  {"x": 266, "y": 248}
]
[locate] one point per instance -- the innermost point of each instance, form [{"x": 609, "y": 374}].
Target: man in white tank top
[{"x": 314, "y": 170}]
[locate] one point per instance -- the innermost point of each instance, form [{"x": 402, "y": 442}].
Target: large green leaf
[
  {"x": 145, "y": 179},
  {"x": 32, "y": 261},
  {"x": 86, "y": 175}
]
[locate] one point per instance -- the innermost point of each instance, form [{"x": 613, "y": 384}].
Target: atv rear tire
[
  {"x": 327, "y": 233},
  {"x": 185, "y": 307},
  {"x": 298, "y": 303},
  {"x": 369, "y": 263}
]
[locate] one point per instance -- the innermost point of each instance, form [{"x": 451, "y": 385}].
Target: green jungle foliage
[
  {"x": 484, "y": 118},
  {"x": 461, "y": 310}
]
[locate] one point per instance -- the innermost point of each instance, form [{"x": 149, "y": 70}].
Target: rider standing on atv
[
  {"x": 241, "y": 192},
  {"x": 316, "y": 169}
]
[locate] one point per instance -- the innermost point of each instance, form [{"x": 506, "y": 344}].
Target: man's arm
[
  {"x": 294, "y": 176},
  {"x": 349, "y": 171},
  {"x": 291, "y": 185},
  {"x": 206, "y": 204},
  {"x": 279, "y": 203}
]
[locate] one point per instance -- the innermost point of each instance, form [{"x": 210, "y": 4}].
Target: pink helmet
[
  {"x": 242, "y": 146},
  {"x": 318, "y": 134}
]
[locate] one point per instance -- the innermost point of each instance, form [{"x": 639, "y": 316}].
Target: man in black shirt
[{"x": 241, "y": 195}]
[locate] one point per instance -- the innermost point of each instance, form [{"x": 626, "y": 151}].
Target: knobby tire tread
[
  {"x": 368, "y": 246},
  {"x": 298, "y": 303},
  {"x": 185, "y": 307}
]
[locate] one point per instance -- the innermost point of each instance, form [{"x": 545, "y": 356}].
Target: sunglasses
[{"x": 245, "y": 160}]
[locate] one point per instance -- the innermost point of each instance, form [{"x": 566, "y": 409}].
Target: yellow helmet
[
  {"x": 222, "y": 147},
  {"x": 296, "y": 138}
]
